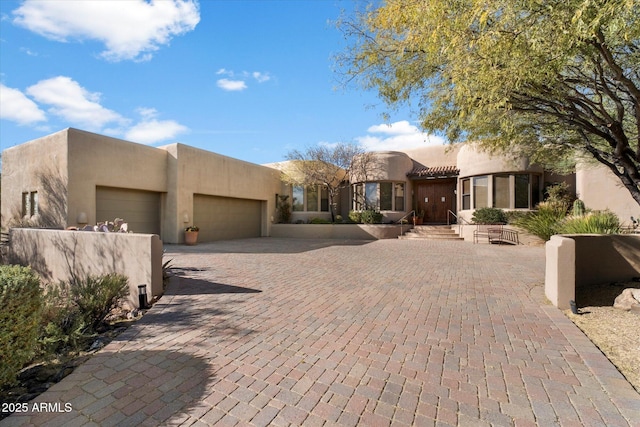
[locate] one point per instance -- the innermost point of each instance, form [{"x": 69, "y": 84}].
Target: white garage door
[
  {"x": 141, "y": 209},
  {"x": 224, "y": 218}
]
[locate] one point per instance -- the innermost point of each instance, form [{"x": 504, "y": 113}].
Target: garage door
[
  {"x": 224, "y": 218},
  {"x": 141, "y": 209}
]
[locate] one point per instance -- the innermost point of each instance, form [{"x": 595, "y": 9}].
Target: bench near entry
[{"x": 495, "y": 233}]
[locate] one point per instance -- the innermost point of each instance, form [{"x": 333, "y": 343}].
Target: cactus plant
[{"x": 578, "y": 208}]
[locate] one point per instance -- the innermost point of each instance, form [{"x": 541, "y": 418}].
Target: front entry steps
[{"x": 440, "y": 232}]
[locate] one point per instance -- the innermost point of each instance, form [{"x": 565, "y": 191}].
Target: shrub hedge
[{"x": 20, "y": 311}]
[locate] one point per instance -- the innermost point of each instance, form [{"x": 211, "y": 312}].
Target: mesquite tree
[{"x": 553, "y": 79}]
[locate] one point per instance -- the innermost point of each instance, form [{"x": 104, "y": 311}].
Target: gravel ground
[{"x": 616, "y": 332}]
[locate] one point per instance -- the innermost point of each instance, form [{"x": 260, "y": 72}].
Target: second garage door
[{"x": 224, "y": 218}]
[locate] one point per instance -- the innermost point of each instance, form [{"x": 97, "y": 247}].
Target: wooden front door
[{"x": 435, "y": 197}]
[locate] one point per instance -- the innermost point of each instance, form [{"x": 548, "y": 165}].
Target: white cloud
[
  {"x": 73, "y": 103},
  {"x": 17, "y": 107},
  {"x": 130, "y": 29},
  {"x": 397, "y": 136},
  {"x": 239, "y": 83},
  {"x": 231, "y": 85},
  {"x": 261, "y": 77},
  {"x": 150, "y": 131}
]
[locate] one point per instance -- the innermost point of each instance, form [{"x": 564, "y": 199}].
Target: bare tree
[{"x": 328, "y": 165}]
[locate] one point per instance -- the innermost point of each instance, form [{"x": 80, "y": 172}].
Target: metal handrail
[
  {"x": 403, "y": 218},
  {"x": 450, "y": 212}
]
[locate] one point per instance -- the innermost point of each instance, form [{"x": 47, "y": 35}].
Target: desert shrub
[
  {"x": 370, "y": 217},
  {"x": 355, "y": 216},
  {"x": 514, "y": 216},
  {"x": 96, "y": 296},
  {"x": 545, "y": 222},
  {"x": 599, "y": 222},
  {"x": 319, "y": 221},
  {"x": 489, "y": 216},
  {"x": 20, "y": 310},
  {"x": 558, "y": 193},
  {"x": 64, "y": 328},
  {"x": 75, "y": 311}
]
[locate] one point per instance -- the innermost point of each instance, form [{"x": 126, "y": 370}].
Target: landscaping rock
[{"x": 629, "y": 298}]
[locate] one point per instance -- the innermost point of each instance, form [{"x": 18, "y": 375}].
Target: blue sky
[{"x": 247, "y": 79}]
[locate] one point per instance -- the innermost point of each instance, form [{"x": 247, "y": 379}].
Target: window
[
  {"x": 466, "y": 194},
  {"x": 501, "y": 191},
  {"x": 371, "y": 195},
  {"x": 298, "y": 198},
  {"x": 384, "y": 196},
  {"x": 324, "y": 199},
  {"x": 312, "y": 198},
  {"x": 522, "y": 191},
  {"x": 29, "y": 203},
  {"x": 507, "y": 191},
  {"x": 535, "y": 190},
  {"x": 480, "y": 192},
  {"x": 399, "y": 196}
]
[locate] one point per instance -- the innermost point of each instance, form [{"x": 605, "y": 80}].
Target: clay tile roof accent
[{"x": 434, "y": 171}]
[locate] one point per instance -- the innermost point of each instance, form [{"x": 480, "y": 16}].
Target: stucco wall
[
  {"x": 599, "y": 189},
  {"x": 472, "y": 161},
  {"x": 195, "y": 171},
  {"x": 97, "y": 160},
  {"x": 336, "y": 231},
  {"x": 574, "y": 261},
  {"x": 385, "y": 166},
  {"x": 58, "y": 255},
  {"x": 39, "y": 165}
]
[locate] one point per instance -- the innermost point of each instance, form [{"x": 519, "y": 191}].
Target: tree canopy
[{"x": 551, "y": 79}]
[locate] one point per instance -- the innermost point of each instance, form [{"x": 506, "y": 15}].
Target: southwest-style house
[{"x": 73, "y": 178}]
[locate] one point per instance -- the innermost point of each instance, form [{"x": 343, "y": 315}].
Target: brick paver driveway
[{"x": 307, "y": 332}]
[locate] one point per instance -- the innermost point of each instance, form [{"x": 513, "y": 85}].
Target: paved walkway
[{"x": 306, "y": 332}]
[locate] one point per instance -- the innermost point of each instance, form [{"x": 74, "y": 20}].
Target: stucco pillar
[{"x": 560, "y": 274}]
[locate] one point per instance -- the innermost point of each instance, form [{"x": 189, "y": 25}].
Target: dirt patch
[{"x": 616, "y": 332}]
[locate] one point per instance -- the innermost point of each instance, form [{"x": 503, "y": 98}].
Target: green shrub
[
  {"x": 370, "y": 217},
  {"x": 599, "y": 222},
  {"x": 96, "y": 296},
  {"x": 514, "y": 216},
  {"x": 20, "y": 311},
  {"x": 64, "y": 328},
  {"x": 545, "y": 222},
  {"x": 489, "y": 216},
  {"x": 355, "y": 216},
  {"x": 75, "y": 311},
  {"x": 578, "y": 208}
]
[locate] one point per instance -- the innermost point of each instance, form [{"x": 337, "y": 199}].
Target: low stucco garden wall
[
  {"x": 58, "y": 255},
  {"x": 574, "y": 261},
  {"x": 337, "y": 231}
]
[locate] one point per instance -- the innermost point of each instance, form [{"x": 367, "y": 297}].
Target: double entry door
[{"x": 435, "y": 197}]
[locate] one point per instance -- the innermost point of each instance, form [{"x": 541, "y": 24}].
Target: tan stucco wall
[
  {"x": 80, "y": 161},
  {"x": 337, "y": 231},
  {"x": 23, "y": 169},
  {"x": 385, "y": 166},
  {"x": 471, "y": 161},
  {"x": 58, "y": 255},
  {"x": 435, "y": 155},
  {"x": 599, "y": 189},
  {"x": 195, "y": 171},
  {"x": 574, "y": 261},
  {"x": 97, "y": 160}
]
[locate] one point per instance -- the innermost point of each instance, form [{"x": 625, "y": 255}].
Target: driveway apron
[{"x": 286, "y": 332}]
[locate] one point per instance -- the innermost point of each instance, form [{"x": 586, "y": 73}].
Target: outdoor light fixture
[
  {"x": 185, "y": 218},
  {"x": 142, "y": 296},
  {"x": 81, "y": 219}
]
